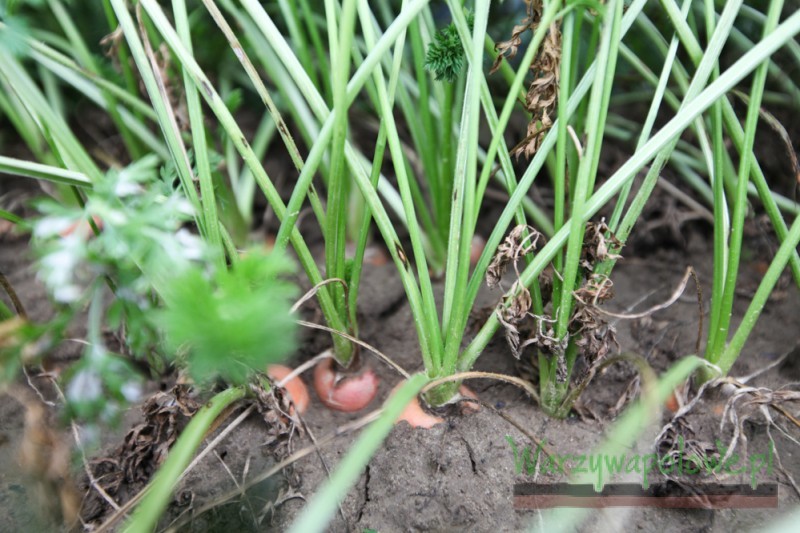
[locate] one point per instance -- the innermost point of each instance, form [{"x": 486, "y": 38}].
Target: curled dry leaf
[
  {"x": 145, "y": 447},
  {"x": 521, "y": 241},
  {"x": 508, "y": 49},
  {"x": 542, "y": 96},
  {"x": 598, "y": 288},
  {"x": 596, "y": 336},
  {"x": 511, "y": 312},
  {"x": 276, "y": 408},
  {"x": 516, "y": 304},
  {"x": 561, "y": 367},
  {"x": 598, "y": 243}
]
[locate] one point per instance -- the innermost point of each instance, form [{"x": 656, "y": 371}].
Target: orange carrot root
[{"x": 349, "y": 393}]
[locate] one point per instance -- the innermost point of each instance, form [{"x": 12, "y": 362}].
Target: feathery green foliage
[
  {"x": 239, "y": 320},
  {"x": 445, "y": 57}
]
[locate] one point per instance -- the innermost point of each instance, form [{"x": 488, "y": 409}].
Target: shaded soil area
[{"x": 458, "y": 475}]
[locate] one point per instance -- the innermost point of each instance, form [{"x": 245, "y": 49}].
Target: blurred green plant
[
  {"x": 224, "y": 322},
  {"x": 231, "y": 324}
]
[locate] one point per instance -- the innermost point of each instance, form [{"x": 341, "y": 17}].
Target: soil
[{"x": 458, "y": 475}]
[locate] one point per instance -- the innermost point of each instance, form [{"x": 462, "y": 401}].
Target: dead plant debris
[
  {"x": 144, "y": 448},
  {"x": 743, "y": 403},
  {"x": 275, "y": 406},
  {"x": 596, "y": 336},
  {"x": 542, "y": 97}
]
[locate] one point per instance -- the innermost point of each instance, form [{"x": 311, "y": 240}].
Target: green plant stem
[
  {"x": 647, "y": 128},
  {"x": 561, "y": 176},
  {"x": 66, "y": 148},
  {"x": 124, "y": 60},
  {"x": 517, "y": 197},
  {"x": 208, "y": 199},
  {"x": 704, "y": 71},
  {"x": 508, "y": 179},
  {"x": 336, "y": 215},
  {"x": 291, "y": 16},
  {"x": 382, "y": 220},
  {"x": 90, "y": 64},
  {"x": 765, "y": 288},
  {"x": 736, "y": 133},
  {"x": 587, "y": 168},
  {"x": 159, "y": 492},
  {"x": 354, "y": 283},
  {"x": 447, "y": 157},
  {"x": 426, "y": 142},
  {"x": 465, "y": 179},
  {"x": 162, "y": 107},
  {"x": 227, "y": 121},
  {"x": 714, "y": 352},
  {"x": 261, "y": 89},
  {"x": 430, "y": 315},
  {"x": 29, "y": 169}
]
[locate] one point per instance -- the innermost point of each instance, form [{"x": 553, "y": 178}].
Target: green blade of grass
[
  {"x": 208, "y": 200},
  {"x": 707, "y": 66},
  {"x": 386, "y": 227},
  {"x": 29, "y": 169},
  {"x": 525, "y": 183},
  {"x": 587, "y": 168},
  {"x": 734, "y": 348},
  {"x": 280, "y": 124},
  {"x": 90, "y": 64},
  {"x": 464, "y": 190},
  {"x": 740, "y": 207},
  {"x": 736, "y": 133},
  {"x": 432, "y": 335},
  {"x": 647, "y": 127},
  {"x": 90, "y": 88},
  {"x": 336, "y": 215},
  {"x": 63, "y": 142},
  {"x": 161, "y": 105}
]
